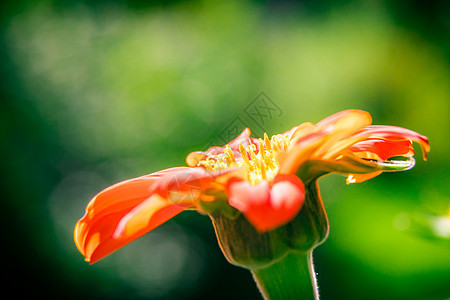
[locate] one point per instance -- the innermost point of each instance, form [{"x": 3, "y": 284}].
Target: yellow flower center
[{"x": 263, "y": 165}]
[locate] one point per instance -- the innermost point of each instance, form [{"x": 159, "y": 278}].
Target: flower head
[{"x": 263, "y": 179}]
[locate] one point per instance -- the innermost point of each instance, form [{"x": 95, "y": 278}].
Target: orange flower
[{"x": 264, "y": 179}]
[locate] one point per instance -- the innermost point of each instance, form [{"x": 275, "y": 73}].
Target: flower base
[{"x": 280, "y": 259}]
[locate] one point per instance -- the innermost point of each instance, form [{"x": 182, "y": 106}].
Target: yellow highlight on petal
[{"x": 139, "y": 218}]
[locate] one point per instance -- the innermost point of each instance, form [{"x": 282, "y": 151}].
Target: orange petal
[
  {"x": 118, "y": 199},
  {"x": 384, "y": 149},
  {"x": 299, "y": 151},
  {"x": 188, "y": 181},
  {"x": 345, "y": 116},
  {"x": 137, "y": 199},
  {"x": 265, "y": 207},
  {"x": 339, "y": 127},
  {"x": 395, "y": 133},
  {"x": 142, "y": 219},
  {"x": 300, "y": 130}
]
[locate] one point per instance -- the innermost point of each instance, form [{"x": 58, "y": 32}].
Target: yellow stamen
[
  {"x": 229, "y": 153},
  {"x": 252, "y": 154},
  {"x": 260, "y": 166},
  {"x": 263, "y": 169},
  {"x": 267, "y": 141},
  {"x": 275, "y": 143},
  {"x": 262, "y": 151},
  {"x": 286, "y": 139},
  {"x": 244, "y": 155}
]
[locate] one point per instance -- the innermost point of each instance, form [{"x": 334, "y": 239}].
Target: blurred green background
[{"x": 95, "y": 92}]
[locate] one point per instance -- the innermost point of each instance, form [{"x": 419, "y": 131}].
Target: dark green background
[{"x": 95, "y": 92}]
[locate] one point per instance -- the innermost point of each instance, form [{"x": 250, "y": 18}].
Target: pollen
[{"x": 260, "y": 160}]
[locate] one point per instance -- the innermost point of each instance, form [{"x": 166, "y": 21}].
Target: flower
[{"x": 263, "y": 179}]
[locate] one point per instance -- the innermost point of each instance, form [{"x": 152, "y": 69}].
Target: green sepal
[
  {"x": 219, "y": 206},
  {"x": 244, "y": 246}
]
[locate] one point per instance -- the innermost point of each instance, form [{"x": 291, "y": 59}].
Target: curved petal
[
  {"x": 299, "y": 130},
  {"x": 133, "y": 204},
  {"x": 322, "y": 141},
  {"x": 345, "y": 118},
  {"x": 339, "y": 127},
  {"x": 395, "y": 133},
  {"x": 118, "y": 198},
  {"x": 101, "y": 239},
  {"x": 140, "y": 220},
  {"x": 266, "y": 207},
  {"x": 384, "y": 149},
  {"x": 299, "y": 151},
  {"x": 187, "y": 181}
]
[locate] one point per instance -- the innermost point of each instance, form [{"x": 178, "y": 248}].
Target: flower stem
[{"x": 292, "y": 277}]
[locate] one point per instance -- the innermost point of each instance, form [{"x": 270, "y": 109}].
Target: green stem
[{"x": 292, "y": 277}]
